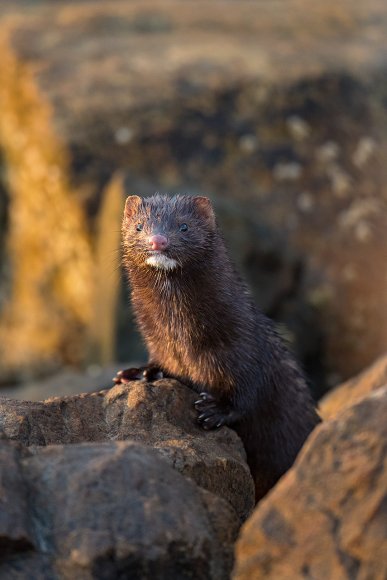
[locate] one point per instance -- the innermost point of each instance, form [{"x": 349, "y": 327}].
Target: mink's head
[{"x": 166, "y": 233}]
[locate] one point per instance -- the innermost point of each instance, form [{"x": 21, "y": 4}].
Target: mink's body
[{"x": 200, "y": 326}]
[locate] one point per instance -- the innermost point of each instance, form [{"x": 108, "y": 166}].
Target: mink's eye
[
  {"x": 139, "y": 227},
  {"x": 183, "y": 228}
]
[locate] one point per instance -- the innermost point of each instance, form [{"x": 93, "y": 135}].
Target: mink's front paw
[
  {"x": 125, "y": 376},
  {"x": 149, "y": 374},
  {"x": 212, "y": 414},
  {"x": 152, "y": 373}
]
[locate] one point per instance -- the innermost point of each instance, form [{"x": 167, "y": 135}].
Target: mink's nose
[{"x": 158, "y": 242}]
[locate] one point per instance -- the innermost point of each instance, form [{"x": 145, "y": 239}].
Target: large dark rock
[
  {"x": 115, "y": 510},
  {"x": 151, "y": 495},
  {"x": 15, "y": 532},
  {"x": 160, "y": 415}
]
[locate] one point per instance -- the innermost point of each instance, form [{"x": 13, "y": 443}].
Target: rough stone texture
[
  {"x": 288, "y": 120},
  {"x": 354, "y": 390},
  {"x": 116, "y": 510},
  {"x": 327, "y": 517},
  {"x": 160, "y": 415},
  {"x": 81, "y": 501},
  {"x": 14, "y": 526}
]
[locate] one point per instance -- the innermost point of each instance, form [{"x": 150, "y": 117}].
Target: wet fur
[{"x": 200, "y": 325}]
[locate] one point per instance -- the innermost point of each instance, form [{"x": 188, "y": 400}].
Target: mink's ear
[
  {"x": 204, "y": 208},
  {"x": 131, "y": 205}
]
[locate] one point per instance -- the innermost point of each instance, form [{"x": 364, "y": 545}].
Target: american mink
[{"x": 201, "y": 327}]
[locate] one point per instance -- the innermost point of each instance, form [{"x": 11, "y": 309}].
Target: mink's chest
[
  {"x": 176, "y": 318},
  {"x": 173, "y": 323},
  {"x": 189, "y": 337}
]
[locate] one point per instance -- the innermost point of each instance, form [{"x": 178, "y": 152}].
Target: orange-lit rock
[
  {"x": 326, "y": 518},
  {"x": 354, "y": 390}
]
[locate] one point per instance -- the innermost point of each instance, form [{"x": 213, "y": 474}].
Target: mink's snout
[{"x": 158, "y": 242}]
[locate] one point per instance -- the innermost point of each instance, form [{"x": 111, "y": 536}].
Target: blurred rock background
[{"x": 276, "y": 110}]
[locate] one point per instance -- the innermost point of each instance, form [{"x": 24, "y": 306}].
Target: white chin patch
[{"x": 162, "y": 262}]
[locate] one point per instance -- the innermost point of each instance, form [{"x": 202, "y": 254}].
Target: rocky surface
[
  {"x": 159, "y": 414},
  {"x": 327, "y": 517},
  {"x": 354, "y": 390},
  {"x": 287, "y": 123},
  {"x": 110, "y": 510},
  {"x": 119, "y": 483}
]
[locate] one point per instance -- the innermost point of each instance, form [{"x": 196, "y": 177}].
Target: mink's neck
[{"x": 206, "y": 281}]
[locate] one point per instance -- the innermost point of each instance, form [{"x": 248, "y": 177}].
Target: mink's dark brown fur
[{"x": 201, "y": 326}]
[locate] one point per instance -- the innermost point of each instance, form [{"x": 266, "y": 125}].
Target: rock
[
  {"x": 15, "y": 533},
  {"x": 327, "y": 517},
  {"x": 117, "y": 509},
  {"x": 160, "y": 415},
  {"x": 280, "y": 121},
  {"x": 354, "y": 390},
  {"x": 119, "y": 483}
]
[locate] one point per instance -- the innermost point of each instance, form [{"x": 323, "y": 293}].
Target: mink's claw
[
  {"x": 205, "y": 401},
  {"x": 212, "y": 422},
  {"x": 203, "y": 405},
  {"x": 206, "y": 396},
  {"x": 212, "y": 414},
  {"x": 206, "y": 414}
]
